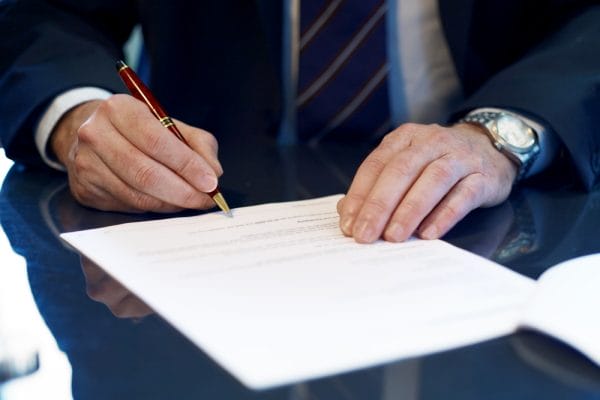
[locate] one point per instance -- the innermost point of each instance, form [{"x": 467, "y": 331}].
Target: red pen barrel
[{"x": 140, "y": 91}]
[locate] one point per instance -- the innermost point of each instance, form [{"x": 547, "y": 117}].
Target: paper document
[
  {"x": 278, "y": 295},
  {"x": 565, "y": 305}
]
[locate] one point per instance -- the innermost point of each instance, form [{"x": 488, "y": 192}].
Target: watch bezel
[{"x": 524, "y": 130}]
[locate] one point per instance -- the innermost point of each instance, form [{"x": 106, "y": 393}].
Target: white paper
[
  {"x": 566, "y": 305},
  {"x": 278, "y": 295}
]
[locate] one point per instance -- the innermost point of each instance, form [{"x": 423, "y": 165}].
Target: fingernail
[
  {"x": 430, "y": 232},
  {"x": 363, "y": 231},
  {"x": 347, "y": 225},
  {"x": 394, "y": 232},
  {"x": 208, "y": 182}
]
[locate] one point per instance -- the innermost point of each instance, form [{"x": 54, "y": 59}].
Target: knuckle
[
  {"x": 186, "y": 165},
  {"x": 442, "y": 171},
  {"x": 110, "y": 105},
  {"x": 114, "y": 103},
  {"x": 411, "y": 207},
  {"x": 452, "y": 212},
  {"x": 375, "y": 206},
  {"x": 154, "y": 142},
  {"x": 391, "y": 137},
  {"x": 440, "y": 134},
  {"x": 410, "y": 127},
  {"x": 354, "y": 198},
  {"x": 144, "y": 202},
  {"x": 80, "y": 164},
  {"x": 471, "y": 193},
  {"x": 392, "y": 140},
  {"x": 147, "y": 176},
  {"x": 352, "y": 203},
  {"x": 400, "y": 167},
  {"x": 86, "y": 133},
  {"x": 465, "y": 156},
  {"x": 374, "y": 164},
  {"x": 105, "y": 107}
]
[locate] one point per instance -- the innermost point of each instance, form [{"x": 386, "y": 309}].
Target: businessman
[{"x": 515, "y": 84}]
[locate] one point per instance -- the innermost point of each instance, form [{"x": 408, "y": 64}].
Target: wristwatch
[{"x": 510, "y": 134}]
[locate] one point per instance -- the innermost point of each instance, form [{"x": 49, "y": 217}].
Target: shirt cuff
[
  {"x": 547, "y": 140},
  {"x": 59, "y": 106}
]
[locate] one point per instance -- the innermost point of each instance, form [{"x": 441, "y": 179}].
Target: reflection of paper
[{"x": 277, "y": 294}]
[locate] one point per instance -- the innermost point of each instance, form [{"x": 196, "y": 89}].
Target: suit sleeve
[
  {"x": 54, "y": 46},
  {"x": 559, "y": 83}
]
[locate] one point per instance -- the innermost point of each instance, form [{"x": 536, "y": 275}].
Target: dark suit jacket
[{"x": 215, "y": 64}]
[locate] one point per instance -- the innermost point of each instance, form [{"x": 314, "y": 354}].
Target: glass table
[{"x": 104, "y": 343}]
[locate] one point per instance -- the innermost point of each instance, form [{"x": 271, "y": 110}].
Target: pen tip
[{"x": 220, "y": 200}]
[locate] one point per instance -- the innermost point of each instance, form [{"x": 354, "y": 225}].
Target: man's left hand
[{"x": 423, "y": 179}]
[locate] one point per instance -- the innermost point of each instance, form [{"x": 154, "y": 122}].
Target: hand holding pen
[
  {"x": 119, "y": 157},
  {"x": 141, "y": 92}
]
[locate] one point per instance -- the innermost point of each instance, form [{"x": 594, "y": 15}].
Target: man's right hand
[{"x": 120, "y": 158}]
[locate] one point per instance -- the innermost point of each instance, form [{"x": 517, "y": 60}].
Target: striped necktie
[{"x": 342, "y": 89}]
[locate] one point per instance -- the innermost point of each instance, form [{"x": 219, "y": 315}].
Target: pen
[{"x": 141, "y": 92}]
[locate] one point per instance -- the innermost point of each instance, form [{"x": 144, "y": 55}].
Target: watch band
[{"x": 487, "y": 118}]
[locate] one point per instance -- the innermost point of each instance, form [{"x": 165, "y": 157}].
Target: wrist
[
  {"x": 510, "y": 134},
  {"x": 64, "y": 133}
]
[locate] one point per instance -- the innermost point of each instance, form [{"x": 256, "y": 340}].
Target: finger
[
  {"x": 467, "y": 195},
  {"x": 203, "y": 143},
  {"x": 140, "y": 172},
  {"x": 145, "y": 132},
  {"x": 91, "y": 271},
  {"x": 340, "y": 205},
  {"x": 390, "y": 188},
  {"x": 106, "y": 291},
  {"x": 438, "y": 178},
  {"x": 102, "y": 288},
  {"x": 94, "y": 195},
  {"x": 92, "y": 179},
  {"x": 367, "y": 175},
  {"x": 126, "y": 199},
  {"x": 130, "y": 307}
]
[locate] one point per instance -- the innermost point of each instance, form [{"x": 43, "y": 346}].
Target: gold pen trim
[
  {"x": 166, "y": 122},
  {"x": 220, "y": 200}
]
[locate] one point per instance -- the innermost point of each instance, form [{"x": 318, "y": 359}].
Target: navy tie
[{"x": 342, "y": 76}]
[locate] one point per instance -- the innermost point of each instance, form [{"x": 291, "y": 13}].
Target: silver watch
[{"x": 510, "y": 135}]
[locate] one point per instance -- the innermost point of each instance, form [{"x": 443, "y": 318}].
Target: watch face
[{"x": 514, "y": 132}]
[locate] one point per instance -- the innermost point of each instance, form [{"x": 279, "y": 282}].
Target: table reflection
[{"x": 118, "y": 348}]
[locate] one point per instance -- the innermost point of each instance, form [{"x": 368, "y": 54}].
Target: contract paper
[{"x": 277, "y": 294}]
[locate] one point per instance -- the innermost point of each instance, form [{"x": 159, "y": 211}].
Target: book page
[
  {"x": 277, "y": 294},
  {"x": 566, "y": 305}
]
